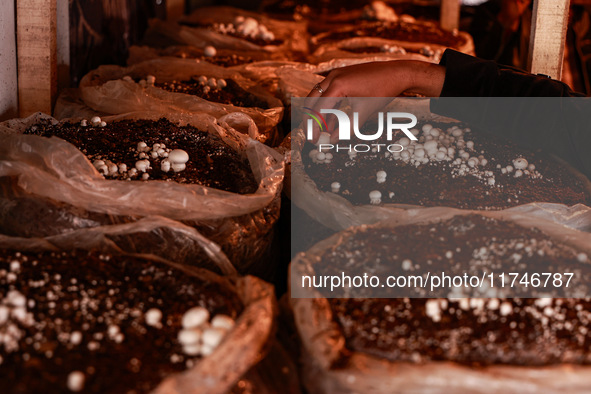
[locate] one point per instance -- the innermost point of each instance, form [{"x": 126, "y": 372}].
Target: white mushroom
[
  {"x": 209, "y": 51},
  {"x": 112, "y": 168},
  {"x": 222, "y": 321},
  {"x": 98, "y": 163},
  {"x": 431, "y": 146},
  {"x": 142, "y": 165},
  {"x": 153, "y": 317},
  {"x": 324, "y": 138},
  {"x": 165, "y": 165},
  {"x": 375, "y": 197},
  {"x": 142, "y": 147},
  {"x": 212, "y": 336},
  {"x": 76, "y": 381},
  {"x": 193, "y": 350},
  {"x": 95, "y": 121},
  {"x": 520, "y": 163},
  {"x": 404, "y": 141},
  {"x": 195, "y": 317},
  {"x": 473, "y": 162},
  {"x": 178, "y": 158},
  {"x": 190, "y": 336}
]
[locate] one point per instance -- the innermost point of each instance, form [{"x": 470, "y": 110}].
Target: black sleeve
[
  {"x": 553, "y": 118},
  {"x": 468, "y": 76}
]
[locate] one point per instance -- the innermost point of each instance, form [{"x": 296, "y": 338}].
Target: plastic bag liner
[
  {"x": 104, "y": 91},
  {"x": 466, "y": 44},
  {"x": 138, "y": 54},
  {"x": 349, "y": 49},
  {"x": 242, "y": 348},
  {"x": 49, "y": 187},
  {"x": 324, "y": 344},
  {"x": 338, "y": 213},
  {"x": 69, "y": 105},
  {"x": 259, "y": 69},
  {"x": 152, "y": 237},
  {"x": 277, "y": 373}
]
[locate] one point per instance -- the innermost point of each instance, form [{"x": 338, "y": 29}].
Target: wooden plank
[
  {"x": 450, "y": 14},
  {"x": 36, "y": 48},
  {"x": 175, "y": 9},
  {"x": 63, "y": 44},
  {"x": 547, "y": 39},
  {"x": 8, "y": 83}
]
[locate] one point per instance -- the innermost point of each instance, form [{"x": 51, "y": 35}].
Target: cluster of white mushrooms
[{"x": 247, "y": 27}]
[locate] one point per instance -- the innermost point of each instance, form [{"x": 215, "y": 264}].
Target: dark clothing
[
  {"x": 553, "y": 117},
  {"x": 493, "y": 41},
  {"x": 489, "y": 79}
]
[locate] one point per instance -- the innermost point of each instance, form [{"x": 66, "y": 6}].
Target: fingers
[
  {"x": 325, "y": 95},
  {"x": 321, "y": 87},
  {"x": 316, "y": 101}
]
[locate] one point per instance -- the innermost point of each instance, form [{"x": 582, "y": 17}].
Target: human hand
[{"x": 377, "y": 79}]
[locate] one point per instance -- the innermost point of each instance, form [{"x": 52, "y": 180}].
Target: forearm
[{"x": 425, "y": 78}]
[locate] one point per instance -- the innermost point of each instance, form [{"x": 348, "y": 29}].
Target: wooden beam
[
  {"x": 450, "y": 14},
  {"x": 63, "y": 44},
  {"x": 36, "y": 48},
  {"x": 547, "y": 39},
  {"x": 8, "y": 85}
]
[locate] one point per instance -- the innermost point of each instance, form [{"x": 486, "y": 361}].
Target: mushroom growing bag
[
  {"x": 138, "y": 54},
  {"x": 423, "y": 40},
  {"x": 335, "y": 211},
  {"x": 49, "y": 187},
  {"x": 371, "y": 49},
  {"x": 289, "y": 37},
  {"x": 244, "y": 345},
  {"x": 106, "y": 92},
  {"x": 329, "y": 366}
]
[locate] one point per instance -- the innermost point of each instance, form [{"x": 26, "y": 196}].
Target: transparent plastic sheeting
[
  {"x": 55, "y": 178},
  {"x": 151, "y": 237},
  {"x": 323, "y": 370},
  {"x": 537, "y": 118},
  {"x": 244, "y": 346},
  {"x": 104, "y": 91}
]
